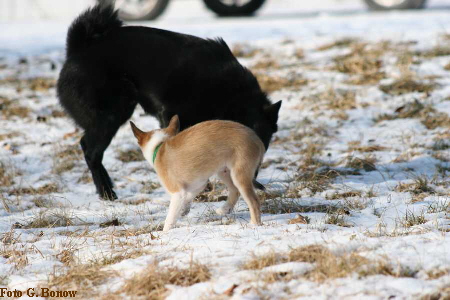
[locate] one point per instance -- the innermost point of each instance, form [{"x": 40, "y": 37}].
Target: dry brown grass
[
  {"x": 244, "y": 50},
  {"x": 43, "y": 202},
  {"x": 289, "y": 201},
  {"x": 279, "y": 206},
  {"x": 149, "y": 186},
  {"x": 439, "y": 50},
  {"x": 306, "y": 129},
  {"x": 366, "y": 163},
  {"x": 356, "y": 146},
  {"x": 412, "y": 219},
  {"x": 214, "y": 192},
  {"x": 265, "y": 63},
  {"x": 130, "y": 155},
  {"x": 434, "y": 119},
  {"x": 15, "y": 110},
  {"x": 344, "y": 42},
  {"x": 440, "y": 144},
  {"x": 363, "y": 63},
  {"x": 299, "y": 53},
  {"x": 9, "y": 135},
  {"x": 152, "y": 282},
  {"x": 66, "y": 158},
  {"x": 41, "y": 83},
  {"x": 438, "y": 273},
  {"x": 51, "y": 219},
  {"x": 429, "y": 117},
  {"x": 37, "y": 84},
  {"x": 343, "y": 195},
  {"x": 47, "y": 188},
  {"x": 263, "y": 261},
  {"x": 82, "y": 278},
  {"x": 328, "y": 265},
  {"x": 271, "y": 84},
  {"x": 437, "y": 207},
  {"x": 419, "y": 186},
  {"x": 340, "y": 99},
  {"x": 406, "y": 85},
  {"x": 317, "y": 180},
  {"x": 117, "y": 258},
  {"x": 442, "y": 293},
  {"x": 299, "y": 219},
  {"x": 149, "y": 229},
  {"x": 112, "y": 222},
  {"x": 335, "y": 99},
  {"x": 6, "y": 175},
  {"x": 447, "y": 67},
  {"x": 15, "y": 256},
  {"x": 85, "y": 177},
  {"x": 338, "y": 217}
]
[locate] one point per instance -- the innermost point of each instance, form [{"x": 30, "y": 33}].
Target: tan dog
[{"x": 185, "y": 161}]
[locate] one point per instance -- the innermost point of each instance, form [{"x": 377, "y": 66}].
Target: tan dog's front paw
[
  {"x": 167, "y": 227},
  {"x": 224, "y": 210}
]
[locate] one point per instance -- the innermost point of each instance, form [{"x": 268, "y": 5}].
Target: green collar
[{"x": 156, "y": 152}]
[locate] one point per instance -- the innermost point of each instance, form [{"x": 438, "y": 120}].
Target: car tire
[
  {"x": 405, "y": 4},
  {"x": 226, "y": 10}
]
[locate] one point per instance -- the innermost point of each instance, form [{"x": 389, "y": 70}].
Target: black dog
[{"x": 111, "y": 68}]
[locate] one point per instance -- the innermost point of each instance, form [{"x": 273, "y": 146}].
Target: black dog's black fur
[{"x": 111, "y": 68}]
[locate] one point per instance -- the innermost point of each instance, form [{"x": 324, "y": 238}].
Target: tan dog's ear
[
  {"x": 139, "y": 134},
  {"x": 174, "y": 126}
]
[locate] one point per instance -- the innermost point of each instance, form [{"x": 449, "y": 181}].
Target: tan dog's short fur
[{"x": 186, "y": 160}]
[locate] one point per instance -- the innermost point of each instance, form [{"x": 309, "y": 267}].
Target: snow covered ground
[{"x": 357, "y": 175}]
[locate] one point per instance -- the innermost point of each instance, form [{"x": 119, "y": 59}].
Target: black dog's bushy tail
[
  {"x": 257, "y": 184},
  {"x": 90, "y": 25}
]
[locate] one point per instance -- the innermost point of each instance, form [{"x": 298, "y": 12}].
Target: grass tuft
[
  {"x": 66, "y": 158},
  {"x": 47, "y": 188},
  {"x": 82, "y": 278},
  {"x": 367, "y": 163},
  {"x": 407, "y": 85},
  {"x": 328, "y": 265},
  {"x": 6, "y": 175},
  {"x": 429, "y": 117},
  {"x": 363, "y": 63},
  {"x": 130, "y": 155},
  {"x": 412, "y": 219},
  {"x": 244, "y": 50},
  {"x": 152, "y": 283},
  {"x": 344, "y": 42},
  {"x": 51, "y": 219},
  {"x": 271, "y": 84}
]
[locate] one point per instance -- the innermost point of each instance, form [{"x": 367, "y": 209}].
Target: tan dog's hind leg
[
  {"x": 233, "y": 193},
  {"x": 244, "y": 183}
]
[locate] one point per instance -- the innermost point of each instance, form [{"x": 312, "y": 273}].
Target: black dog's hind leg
[
  {"x": 97, "y": 137},
  {"x": 94, "y": 143}
]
